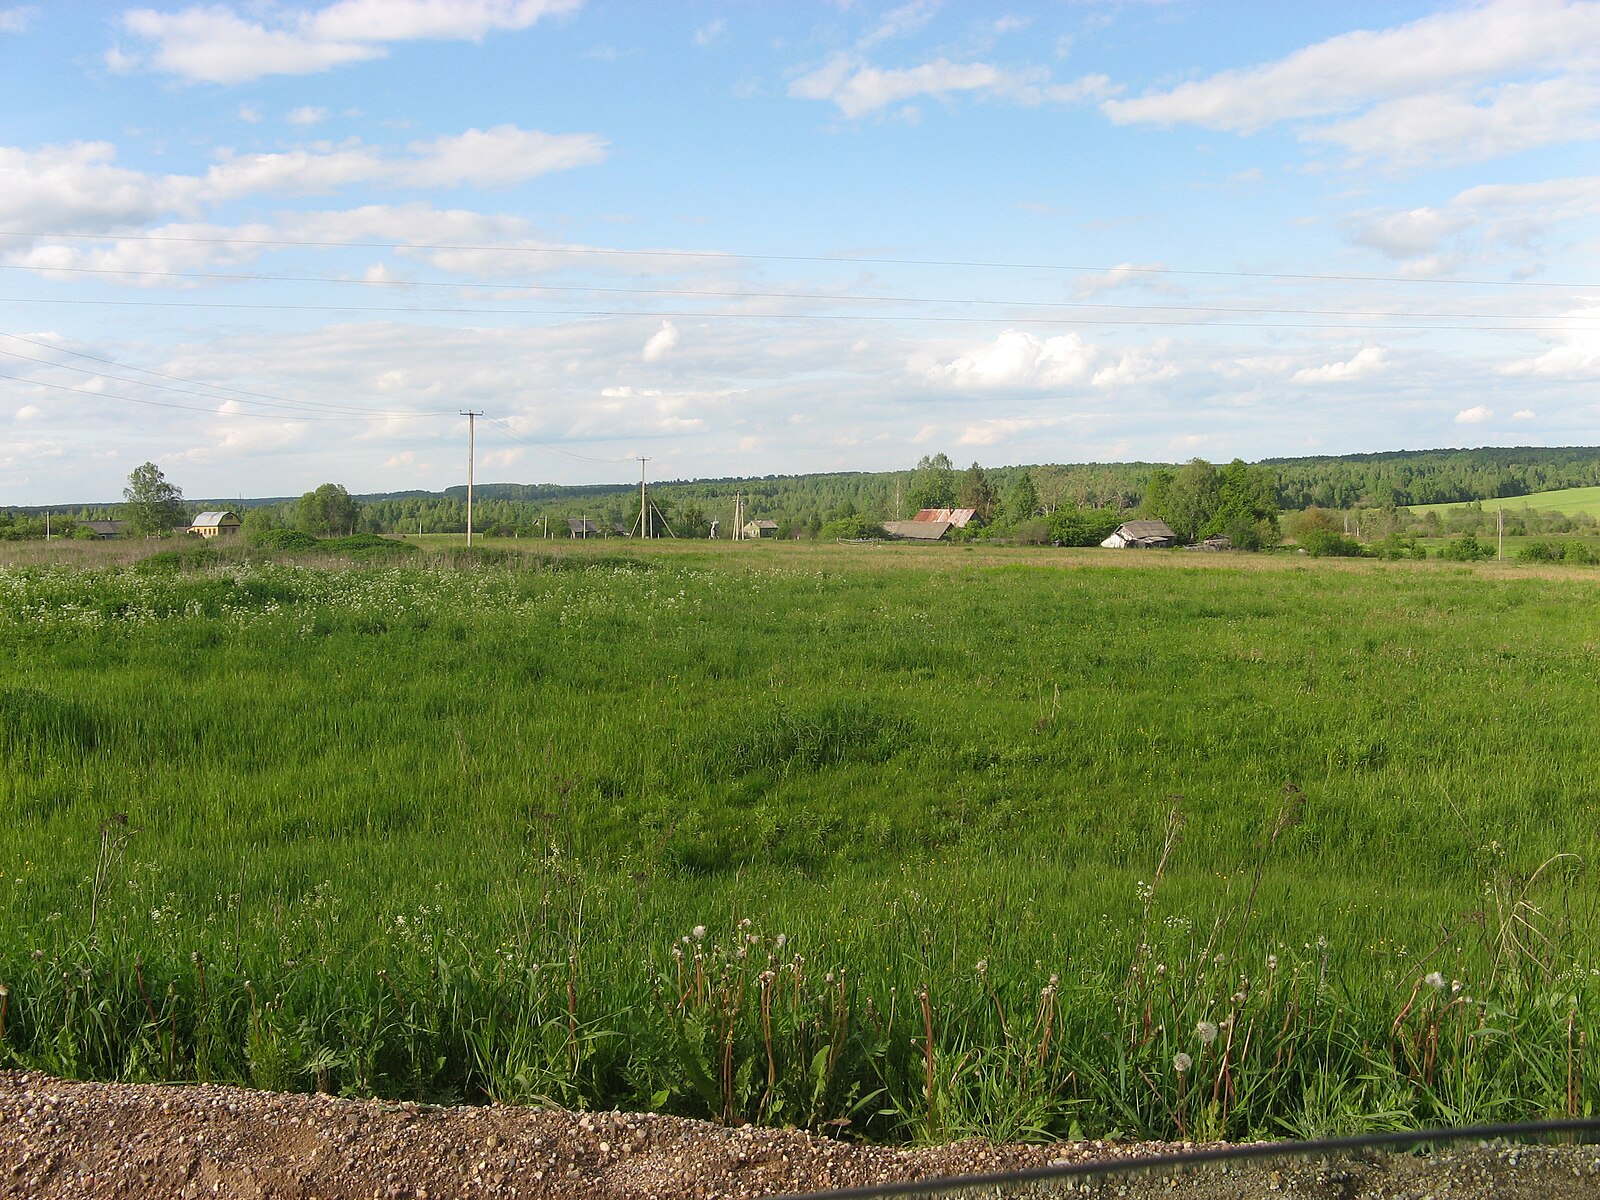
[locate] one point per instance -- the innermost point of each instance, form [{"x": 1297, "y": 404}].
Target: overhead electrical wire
[
  {"x": 720, "y": 294},
  {"x": 835, "y": 260},
  {"x": 355, "y": 412},
  {"x": 656, "y": 313}
]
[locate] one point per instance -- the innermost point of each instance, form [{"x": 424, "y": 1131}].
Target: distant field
[
  {"x": 1571, "y": 501},
  {"x": 928, "y": 840}
]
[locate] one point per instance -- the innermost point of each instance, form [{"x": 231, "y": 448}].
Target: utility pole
[
  {"x": 472, "y": 419},
  {"x": 644, "y": 502},
  {"x": 1500, "y": 530}
]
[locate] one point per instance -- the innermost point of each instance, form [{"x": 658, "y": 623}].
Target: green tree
[
  {"x": 1023, "y": 502},
  {"x": 1247, "y": 506},
  {"x": 154, "y": 505},
  {"x": 328, "y": 510},
  {"x": 977, "y": 492},
  {"x": 933, "y": 483},
  {"x": 692, "y": 522},
  {"x": 1192, "y": 499}
]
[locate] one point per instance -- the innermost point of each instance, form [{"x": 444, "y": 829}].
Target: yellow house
[{"x": 215, "y": 524}]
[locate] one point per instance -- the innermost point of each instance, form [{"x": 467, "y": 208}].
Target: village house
[
  {"x": 1141, "y": 535},
  {"x": 215, "y": 524}
]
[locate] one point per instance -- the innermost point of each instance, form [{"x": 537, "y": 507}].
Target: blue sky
[{"x": 269, "y": 245}]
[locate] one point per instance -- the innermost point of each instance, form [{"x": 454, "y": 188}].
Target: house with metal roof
[
  {"x": 1141, "y": 535},
  {"x": 917, "y": 530},
  {"x": 215, "y": 524},
  {"x": 582, "y": 527},
  {"x": 761, "y": 528},
  {"x": 957, "y": 518}
]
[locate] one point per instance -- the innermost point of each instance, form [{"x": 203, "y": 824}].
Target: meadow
[
  {"x": 1571, "y": 501},
  {"x": 899, "y": 842}
]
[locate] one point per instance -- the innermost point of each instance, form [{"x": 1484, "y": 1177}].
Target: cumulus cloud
[
  {"x": 1368, "y": 361},
  {"x": 1476, "y": 223},
  {"x": 1019, "y": 359},
  {"x": 214, "y": 44},
  {"x": 1576, "y": 354},
  {"x": 857, "y": 88},
  {"x": 707, "y": 34},
  {"x": 306, "y": 114},
  {"x": 28, "y": 412},
  {"x": 661, "y": 343},
  {"x": 1442, "y": 87},
  {"x": 1475, "y": 415},
  {"x": 81, "y": 186},
  {"x": 1523, "y": 414},
  {"x": 16, "y": 19}
]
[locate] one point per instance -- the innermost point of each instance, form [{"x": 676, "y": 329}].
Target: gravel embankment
[{"x": 61, "y": 1139}]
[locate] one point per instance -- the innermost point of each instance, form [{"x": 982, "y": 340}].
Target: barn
[{"x": 1141, "y": 535}]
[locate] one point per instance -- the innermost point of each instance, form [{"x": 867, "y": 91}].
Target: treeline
[
  {"x": 1407, "y": 477},
  {"x": 1041, "y": 502}
]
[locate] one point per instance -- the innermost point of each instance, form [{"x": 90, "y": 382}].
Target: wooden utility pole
[
  {"x": 1500, "y": 531},
  {"x": 472, "y": 418}
]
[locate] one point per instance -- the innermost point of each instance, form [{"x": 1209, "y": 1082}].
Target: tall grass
[{"x": 903, "y": 847}]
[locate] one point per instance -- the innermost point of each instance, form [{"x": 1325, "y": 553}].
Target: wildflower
[
  {"x": 1272, "y": 962},
  {"x": 1181, "y": 1062},
  {"x": 698, "y": 933},
  {"x": 1207, "y": 1032},
  {"x": 982, "y": 966},
  {"x": 780, "y": 940},
  {"x": 1434, "y": 980}
]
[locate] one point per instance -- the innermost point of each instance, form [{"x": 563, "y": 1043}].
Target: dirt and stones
[{"x": 61, "y": 1139}]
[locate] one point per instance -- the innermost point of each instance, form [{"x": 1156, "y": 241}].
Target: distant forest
[{"x": 805, "y": 503}]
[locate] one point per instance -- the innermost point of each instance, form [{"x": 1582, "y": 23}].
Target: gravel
[{"x": 67, "y": 1139}]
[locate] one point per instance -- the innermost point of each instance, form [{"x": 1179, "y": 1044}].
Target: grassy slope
[
  {"x": 908, "y": 759},
  {"x": 1571, "y": 501}
]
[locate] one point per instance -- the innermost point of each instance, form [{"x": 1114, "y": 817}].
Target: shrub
[
  {"x": 281, "y": 539},
  {"x": 1326, "y": 543},
  {"x": 1465, "y": 548},
  {"x": 1541, "y": 551}
]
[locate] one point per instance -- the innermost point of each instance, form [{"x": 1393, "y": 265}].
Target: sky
[{"x": 268, "y": 245}]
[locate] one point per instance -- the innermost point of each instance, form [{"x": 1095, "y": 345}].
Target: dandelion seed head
[
  {"x": 1206, "y": 1031},
  {"x": 1181, "y": 1062},
  {"x": 1434, "y": 980}
]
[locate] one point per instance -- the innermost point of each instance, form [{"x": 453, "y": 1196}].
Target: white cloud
[
  {"x": 1475, "y": 415},
  {"x": 1523, "y": 414},
  {"x": 28, "y": 412},
  {"x": 1123, "y": 275},
  {"x": 1576, "y": 354},
  {"x": 249, "y": 114},
  {"x": 1019, "y": 359},
  {"x": 1368, "y": 361},
  {"x": 213, "y": 44},
  {"x": 908, "y": 18},
  {"x": 1419, "y": 80},
  {"x": 707, "y": 34},
  {"x": 1011, "y": 24},
  {"x": 306, "y": 114},
  {"x": 80, "y": 186},
  {"x": 1457, "y": 129},
  {"x": 661, "y": 343},
  {"x": 858, "y": 88},
  {"x": 16, "y": 20}
]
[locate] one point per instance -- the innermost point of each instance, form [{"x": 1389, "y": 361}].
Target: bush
[
  {"x": 1074, "y": 526},
  {"x": 1543, "y": 552},
  {"x": 1326, "y": 543},
  {"x": 848, "y": 529},
  {"x": 281, "y": 539},
  {"x": 196, "y": 557},
  {"x": 1399, "y": 545},
  {"x": 1465, "y": 548}
]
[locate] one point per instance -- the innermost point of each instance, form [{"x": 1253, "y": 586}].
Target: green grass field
[
  {"x": 907, "y": 842},
  {"x": 1572, "y": 501}
]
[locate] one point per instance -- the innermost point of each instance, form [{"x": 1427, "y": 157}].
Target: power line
[
  {"x": 511, "y": 431},
  {"x": 262, "y": 396},
  {"x": 300, "y": 410},
  {"x": 721, "y": 294},
  {"x": 730, "y": 256},
  {"x": 655, "y": 313}
]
